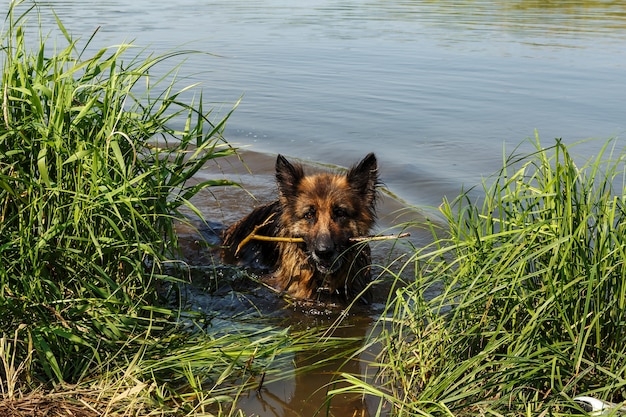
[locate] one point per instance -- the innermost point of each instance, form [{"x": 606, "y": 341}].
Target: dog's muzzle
[{"x": 326, "y": 256}]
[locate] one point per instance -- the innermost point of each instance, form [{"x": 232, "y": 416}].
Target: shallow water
[{"x": 440, "y": 90}]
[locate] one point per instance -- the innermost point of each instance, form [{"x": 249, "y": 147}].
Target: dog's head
[{"x": 326, "y": 209}]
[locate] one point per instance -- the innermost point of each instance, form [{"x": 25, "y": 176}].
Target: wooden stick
[
  {"x": 254, "y": 236},
  {"x": 378, "y": 237}
]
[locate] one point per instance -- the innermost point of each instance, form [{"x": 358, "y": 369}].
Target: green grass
[
  {"x": 531, "y": 284},
  {"x": 96, "y": 163},
  {"x": 90, "y": 184}
]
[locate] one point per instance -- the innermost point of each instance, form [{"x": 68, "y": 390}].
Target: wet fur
[{"x": 326, "y": 210}]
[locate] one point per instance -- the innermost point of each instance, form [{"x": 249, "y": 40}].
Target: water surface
[{"x": 436, "y": 88}]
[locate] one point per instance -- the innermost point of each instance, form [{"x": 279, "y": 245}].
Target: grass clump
[
  {"x": 531, "y": 286},
  {"x": 96, "y": 159},
  {"x": 90, "y": 184}
]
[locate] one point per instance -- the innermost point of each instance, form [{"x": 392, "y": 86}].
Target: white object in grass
[{"x": 596, "y": 407}]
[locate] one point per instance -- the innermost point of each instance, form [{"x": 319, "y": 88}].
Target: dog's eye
[
  {"x": 340, "y": 213},
  {"x": 310, "y": 214}
]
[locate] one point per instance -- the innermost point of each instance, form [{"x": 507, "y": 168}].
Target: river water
[{"x": 440, "y": 90}]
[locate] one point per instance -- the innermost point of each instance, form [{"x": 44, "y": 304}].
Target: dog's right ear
[{"x": 288, "y": 177}]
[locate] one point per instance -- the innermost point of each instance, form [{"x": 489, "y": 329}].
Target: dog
[{"x": 326, "y": 211}]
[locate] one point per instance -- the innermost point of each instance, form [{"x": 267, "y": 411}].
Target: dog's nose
[
  {"x": 324, "y": 254},
  {"x": 325, "y": 248}
]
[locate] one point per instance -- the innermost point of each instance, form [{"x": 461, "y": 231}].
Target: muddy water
[{"x": 302, "y": 393}]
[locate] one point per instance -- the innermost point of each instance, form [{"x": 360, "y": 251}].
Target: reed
[
  {"x": 531, "y": 295},
  {"x": 96, "y": 158},
  {"x": 90, "y": 184}
]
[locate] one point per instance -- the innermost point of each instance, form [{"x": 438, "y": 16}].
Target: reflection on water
[
  {"x": 562, "y": 18},
  {"x": 348, "y": 19}
]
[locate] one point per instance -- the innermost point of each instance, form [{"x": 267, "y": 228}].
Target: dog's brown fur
[{"x": 324, "y": 209}]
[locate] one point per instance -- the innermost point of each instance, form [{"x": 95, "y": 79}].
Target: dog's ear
[
  {"x": 288, "y": 176},
  {"x": 363, "y": 177}
]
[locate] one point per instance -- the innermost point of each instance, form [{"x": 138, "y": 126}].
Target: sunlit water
[
  {"x": 436, "y": 88},
  {"x": 439, "y": 90}
]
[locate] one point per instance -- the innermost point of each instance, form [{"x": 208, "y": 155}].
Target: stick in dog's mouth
[{"x": 357, "y": 239}]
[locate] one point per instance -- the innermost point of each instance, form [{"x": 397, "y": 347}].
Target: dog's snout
[
  {"x": 325, "y": 255},
  {"x": 324, "y": 247}
]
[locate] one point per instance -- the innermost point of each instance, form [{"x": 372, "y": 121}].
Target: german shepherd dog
[{"x": 326, "y": 210}]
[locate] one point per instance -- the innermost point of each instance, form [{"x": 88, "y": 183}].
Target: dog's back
[{"x": 325, "y": 211}]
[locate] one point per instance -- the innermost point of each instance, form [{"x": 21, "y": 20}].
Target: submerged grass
[{"x": 530, "y": 310}]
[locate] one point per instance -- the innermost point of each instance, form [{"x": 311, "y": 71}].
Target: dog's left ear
[{"x": 363, "y": 177}]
